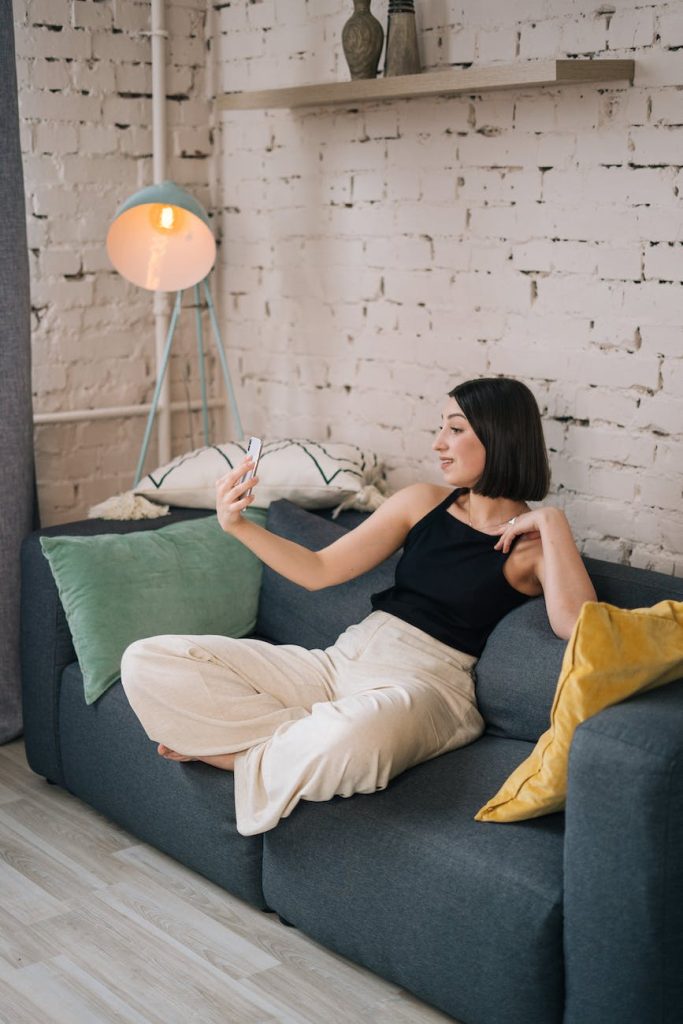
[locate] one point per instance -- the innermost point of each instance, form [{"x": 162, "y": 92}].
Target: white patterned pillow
[{"x": 312, "y": 474}]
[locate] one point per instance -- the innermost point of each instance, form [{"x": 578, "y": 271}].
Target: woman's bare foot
[
  {"x": 172, "y": 755},
  {"x": 224, "y": 761}
]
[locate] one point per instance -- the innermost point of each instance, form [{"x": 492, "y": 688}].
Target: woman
[{"x": 396, "y": 689}]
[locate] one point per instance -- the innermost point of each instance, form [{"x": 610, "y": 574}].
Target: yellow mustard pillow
[{"x": 611, "y": 654}]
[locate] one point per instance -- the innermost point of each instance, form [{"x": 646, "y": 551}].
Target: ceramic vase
[
  {"x": 362, "y": 38},
  {"x": 402, "y": 57}
]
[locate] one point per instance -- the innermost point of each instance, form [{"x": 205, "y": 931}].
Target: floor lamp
[{"x": 160, "y": 239}]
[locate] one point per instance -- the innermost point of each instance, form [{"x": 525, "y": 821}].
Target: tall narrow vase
[
  {"x": 362, "y": 38},
  {"x": 402, "y": 57}
]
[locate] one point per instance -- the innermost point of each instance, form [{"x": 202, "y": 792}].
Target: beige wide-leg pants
[{"x": 311, "y": 724}]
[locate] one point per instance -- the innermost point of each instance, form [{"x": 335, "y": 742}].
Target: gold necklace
[{"x": 469, "y": 516}]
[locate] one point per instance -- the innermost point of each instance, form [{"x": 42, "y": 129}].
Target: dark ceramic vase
[
  {"x": 402, "y": 57},
  {"x": 362, "y": 39}
]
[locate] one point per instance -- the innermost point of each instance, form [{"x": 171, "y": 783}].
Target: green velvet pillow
[{"x": 190, "y": 577}]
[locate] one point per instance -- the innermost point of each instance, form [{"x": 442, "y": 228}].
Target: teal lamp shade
[{"x": 160, "y": 239}]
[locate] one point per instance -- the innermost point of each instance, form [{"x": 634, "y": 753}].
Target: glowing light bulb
[{"x": 168, "y": 220}]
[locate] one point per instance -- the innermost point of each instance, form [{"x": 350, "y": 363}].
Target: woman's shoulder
[
  {"x": 424, "y": 492},
  {"x": 419, "y": 499}
]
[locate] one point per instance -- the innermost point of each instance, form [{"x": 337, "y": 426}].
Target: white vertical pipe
[
  {"x": 161, "y": 316},
  {"x": 212, "y": 40}
]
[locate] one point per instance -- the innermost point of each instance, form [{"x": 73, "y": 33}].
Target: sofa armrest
[
  {"x": 624, "y": 863},
  {"x": 45, "y": 642}
]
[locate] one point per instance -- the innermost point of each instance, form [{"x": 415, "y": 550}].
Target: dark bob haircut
[{"x": 504, "y": 415}]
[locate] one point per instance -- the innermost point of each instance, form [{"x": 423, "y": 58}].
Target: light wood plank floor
[{"x": 97, "y": 927}]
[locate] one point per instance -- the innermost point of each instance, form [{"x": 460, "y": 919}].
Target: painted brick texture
[
  {"x": 84, "y": 75},
  {"x": 371, "y": 258},
  {"x": 385, "y": 253}
]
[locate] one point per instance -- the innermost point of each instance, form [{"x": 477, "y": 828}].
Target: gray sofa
[{"x": 575, "y": 917}]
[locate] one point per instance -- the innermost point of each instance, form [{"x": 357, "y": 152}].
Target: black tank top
[{"x": 449, "y": 581}]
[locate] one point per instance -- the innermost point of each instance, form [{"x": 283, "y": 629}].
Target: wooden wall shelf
[{"x": 448, "y": 82}]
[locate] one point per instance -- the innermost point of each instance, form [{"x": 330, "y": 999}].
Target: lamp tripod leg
[
  {"x": 202, "y": 374},
  {"x": 224, "y": 362},
  {"x": 157, "y": 390}
]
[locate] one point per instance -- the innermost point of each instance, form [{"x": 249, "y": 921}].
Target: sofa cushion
[
  {"x": 517, "y": 673},
  {"x": 46, "y": 642},
  {"x": 612, "y": 654},
  {"x": 186, "y": 810},
  {"x": 289, "y": 614},
  {"x": 519, "y": 667},
  {"x": 184, "y": 578},
  {"x": 627, "y": 587},
  {"x": 404, "y": 881},
  {"x": 314, "y": 474}
]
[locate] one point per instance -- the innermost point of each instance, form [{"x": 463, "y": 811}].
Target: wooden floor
[{"x": 98, "y": 927}]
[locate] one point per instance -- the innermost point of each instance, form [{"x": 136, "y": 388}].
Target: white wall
[
  {"x": 376, "y": 256},
  {"x": 372, "y": 258},
  {"x": 84, "y": 75}
]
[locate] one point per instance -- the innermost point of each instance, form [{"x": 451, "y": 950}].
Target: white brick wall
[
  {"x": 403, "y": 247},
  {"x": 371, "y": 258},
  {"x": 84, "y": 75}
]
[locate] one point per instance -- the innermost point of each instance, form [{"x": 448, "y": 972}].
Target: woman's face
[{"x": 461, "y": 453}]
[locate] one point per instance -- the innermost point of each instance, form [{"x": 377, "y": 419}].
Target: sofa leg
[
  {"x": 287, "y": 924},
  {"x": 50, "y": 782}
]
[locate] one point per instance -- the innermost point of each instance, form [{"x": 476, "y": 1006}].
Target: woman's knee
[
  {"x": 132, "y": 658},
  {"x": 138, "y": 658}
]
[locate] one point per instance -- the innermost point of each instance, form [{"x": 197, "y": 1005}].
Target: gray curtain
[{"x": 16, "y": 432}]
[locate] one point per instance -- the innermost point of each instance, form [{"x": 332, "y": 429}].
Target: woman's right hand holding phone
[{"x": 233, "y": 494}]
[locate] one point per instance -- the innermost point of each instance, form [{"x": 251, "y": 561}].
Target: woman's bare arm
[
  {"x": 559, "y": 567},
  {"x": 356, "y": 552}
]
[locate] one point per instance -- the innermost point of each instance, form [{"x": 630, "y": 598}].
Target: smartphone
[{"x": 254, "y": 451}]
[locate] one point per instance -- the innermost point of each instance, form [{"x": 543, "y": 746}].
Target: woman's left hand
[{"x": 528, "y": 523}]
